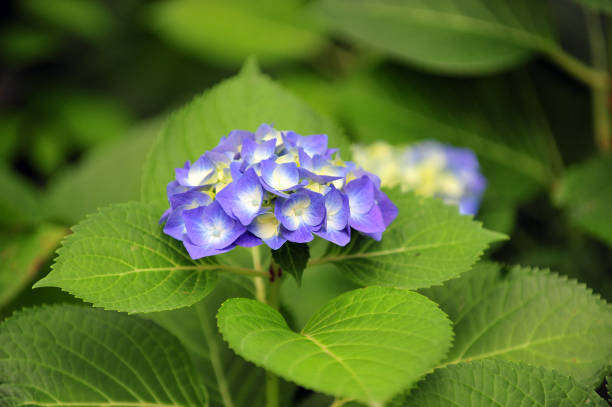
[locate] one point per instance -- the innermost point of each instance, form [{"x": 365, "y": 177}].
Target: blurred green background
[{"x": 86, "y": 84}]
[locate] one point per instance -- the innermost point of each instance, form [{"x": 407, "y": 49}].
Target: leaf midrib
[{"x": 440, "y": 19}]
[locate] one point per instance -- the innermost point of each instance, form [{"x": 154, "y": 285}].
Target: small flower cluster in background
[
  {"x": 428, "y": 168},
  {"x": 271, "y": 187}
]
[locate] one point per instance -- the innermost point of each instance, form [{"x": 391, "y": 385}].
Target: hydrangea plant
[
  {"x": 272, "y": 187},
  {"x": 419, "y": 321},
  {"x": 428, "y": 168}
]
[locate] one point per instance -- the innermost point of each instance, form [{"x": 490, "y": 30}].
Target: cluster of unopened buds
[
  {"x": 427, "y": 168},
  {"x": 272, "y": 187}
]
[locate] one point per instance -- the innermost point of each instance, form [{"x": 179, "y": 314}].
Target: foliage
[{"x": 431, "y": 313}]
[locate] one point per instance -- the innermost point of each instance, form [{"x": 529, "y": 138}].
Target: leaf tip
[{"x": 250, "y": 66}]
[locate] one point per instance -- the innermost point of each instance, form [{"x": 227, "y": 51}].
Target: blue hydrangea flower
[
  {"x": 270, "y": 187},
  {"x": 428, "y": 168}
]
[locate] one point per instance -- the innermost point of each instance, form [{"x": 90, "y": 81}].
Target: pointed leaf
[
  {"x": 292, "y": 258},
  {"x": 69, "y": 355},
  {"x": 243, "y": 102},
  {"x": 528, "y": 315},
  {"x": 120, "y": 259},
  {"x": 367, "y": 344},
  {"x": 461, "y": 36},
  {"x": 498, "y": 383},
  {"x": 428, "y": 243}
]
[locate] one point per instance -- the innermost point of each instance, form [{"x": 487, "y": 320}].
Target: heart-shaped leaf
[{"x": 366, "y": 344}]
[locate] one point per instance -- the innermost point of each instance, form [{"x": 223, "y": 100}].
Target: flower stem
[
  {"x": 599, "y": 97},
  {"x": 272, "y": 299}
]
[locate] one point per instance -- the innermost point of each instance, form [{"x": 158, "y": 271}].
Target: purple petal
[
  {"x": 360, "y": 193},
  {"x": 191, "y": 199},
  {"x": 302, "y": 234},
  {"x": 232, "y": 143},
  {"x": 248, "y": 197},
  {"x": 336, "y": 209},
  {"x": 370, "y": 222},
  {"x": 253, "y": 152},
  {"x": 175, "y": 226},
  {"x": 387, "y": 207},
  {"x": 211, "y": 226},
  {"x": 314, "y": 144},
  {"x": 339, "y": 237},
  {"x": 267, "y": 227},
  {"x": 197, "y": 174},
  {"x": 279, "y": 177},
  {"x": 248, "y": 240},
  {"x": 197, "y": 252}
]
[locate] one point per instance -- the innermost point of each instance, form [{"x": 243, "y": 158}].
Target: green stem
[
  {"x": 273, "y": 300},
  {"x": 599, "y": 97},
  {"x": 594, "y": 78}
]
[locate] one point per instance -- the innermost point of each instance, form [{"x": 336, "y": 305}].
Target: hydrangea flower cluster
[
  {"x": 271, "y": 187},
  {"x": 428, "y": 168}
]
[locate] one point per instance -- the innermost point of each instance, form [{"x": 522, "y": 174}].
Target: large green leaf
[
  {"x": 75, "y": 356},
  {"x": 586, "y": 193},
  {"x": 227, "y": 31},
  {"x": 366, "y": 344},
  {"x": 116, "y": 168},
  {"x": 229, "y": 379},
  {"x": 243, "y": 102},
  {"x": 509, "y": 135},
  {"x": 87, "y": 18},
  {"x": 120, "y": 259},
  {"x": 530, "y": 316},
  {"x": 498, "y": 383},
  {"x": 428, "y": 243},
  {"x": 458, "y": 36},
  {"x": 22, "y": 256}
]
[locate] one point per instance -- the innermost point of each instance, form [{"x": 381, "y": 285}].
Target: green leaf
[
  {"x": 319, "y": 286},
  {"x": 19, "y": 200},
  {"x": 460, "y": 36},
  {"x": 227, "y": 31},
  {"x": 292, "y": 258},
  {"x": 74, "y": 356},
  {"x": 87, "y": 18},
  {"x": 498, "y": 383},
  {"x": 527, "y": 315},
  {"x": 242, "y": 102},
  {"x": 120, "y": 259},
  {"x": 71, "y": 195},
  {"x": 367, "y": 344},
  {"x": 428, "y": 243},
  {"x": 22, "y": 256},
  {"x": 586, "y": 194},
  {"x": 229, "y": 379},
  {"x": 510, "y": 135}
]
